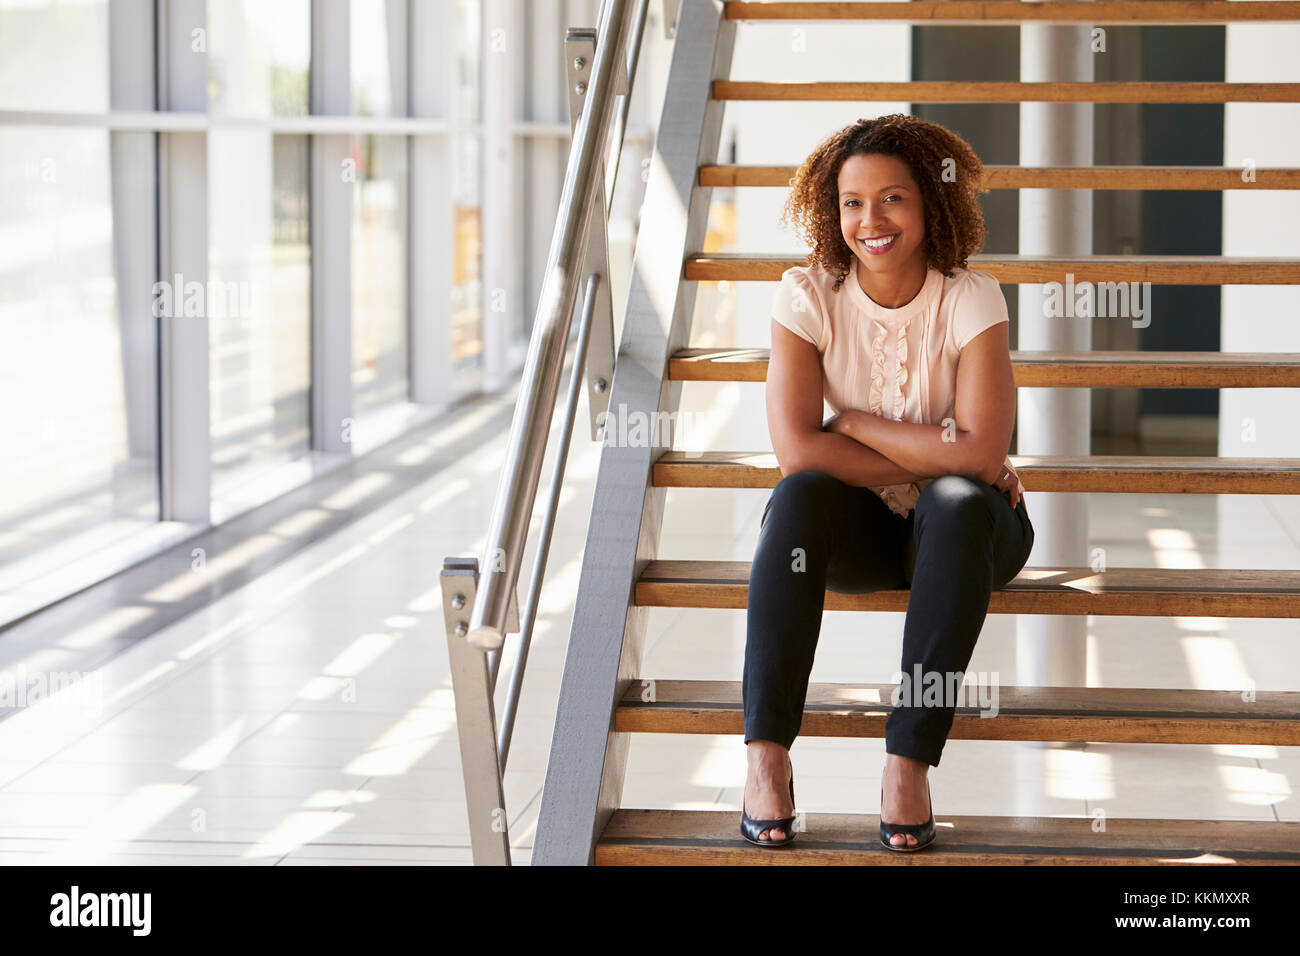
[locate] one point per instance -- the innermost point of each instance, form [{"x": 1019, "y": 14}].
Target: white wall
[{"x": 1260, "y": 318}]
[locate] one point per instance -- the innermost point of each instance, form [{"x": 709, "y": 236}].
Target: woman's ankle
[
  {"x": 904, "y": 764},
  {"x": 763, "y": 752}
]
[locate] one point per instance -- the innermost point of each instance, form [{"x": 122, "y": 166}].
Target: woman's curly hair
[{"x": 954, "y": 224}]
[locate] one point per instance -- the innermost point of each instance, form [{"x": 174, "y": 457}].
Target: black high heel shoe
[
  {"x": 752, "y": 829},
  {"x": 924, "y": 832}
]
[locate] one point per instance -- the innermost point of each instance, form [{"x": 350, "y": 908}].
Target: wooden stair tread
[
  {"x": 703, "y": 837},
  {"x": 1129, "y": 592},
  {"x": 1032, "y": 269},
  {"x": 1049, "y": 177},
  {"x": 1009, "y": 12},
  {"x": 1097, "y": 474},
  {"x": 1083, "y": 714},
  {"x": 1008, "y": 91},
  {"x": 1119, "y": 369}
]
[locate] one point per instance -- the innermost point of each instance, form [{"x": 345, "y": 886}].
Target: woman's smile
[{"x": 878, "y": 246}]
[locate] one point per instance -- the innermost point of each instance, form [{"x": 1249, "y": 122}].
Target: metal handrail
[
  {"x": 506, "y": 729},
  {"x": 530, "y": 427},
  {"x": 475, "y": 646},
  {"x": 548, "y": 524},
  {"x": 620, "y": 118}
]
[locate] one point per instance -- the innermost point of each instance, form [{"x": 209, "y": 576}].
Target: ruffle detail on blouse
[
  {"x": 898, "y": 401},
  {"x": 892, "y": 495},
  {"x": 900, "y": 374}
]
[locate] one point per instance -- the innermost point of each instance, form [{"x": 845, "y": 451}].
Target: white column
[
  {"x": 432, "y": 224},
  {"x": 183, "y": 221},
  {"x": 135, "y": 218},
  {"x": 1051, "y": 649},
  {"x": 503, "y": 43},
  {"x": 332, "y": 183},
  {"x": 1258, "y": 422},
  {"x": 546, "y": 101}
]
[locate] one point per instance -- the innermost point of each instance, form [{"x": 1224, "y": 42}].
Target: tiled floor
[{"x": 306, "y": 717}]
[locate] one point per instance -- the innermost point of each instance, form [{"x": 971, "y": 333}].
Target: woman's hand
[
  {"x": 835, "y": 424},
  {"x": 1008, "y": 483},
  {"x": 853, "y": 423}
]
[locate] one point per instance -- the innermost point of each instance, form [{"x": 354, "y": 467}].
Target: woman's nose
[{"x": 871, "y": 214}]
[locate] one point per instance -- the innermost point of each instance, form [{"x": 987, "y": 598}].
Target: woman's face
[{"x": 879, "y": 200}]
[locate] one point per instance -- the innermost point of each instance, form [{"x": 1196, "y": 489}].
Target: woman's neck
[{"x": 893, "y": 290}]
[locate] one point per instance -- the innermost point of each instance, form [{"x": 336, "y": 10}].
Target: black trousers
[{"x": 960, "y": 542}]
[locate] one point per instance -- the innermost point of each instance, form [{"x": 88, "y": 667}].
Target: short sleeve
[
  {"x": 980, "y": 306},
  {"x": 796, "y": 306}
]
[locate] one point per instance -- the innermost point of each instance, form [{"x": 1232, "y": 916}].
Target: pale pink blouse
[{"x": 899, "y": 363}]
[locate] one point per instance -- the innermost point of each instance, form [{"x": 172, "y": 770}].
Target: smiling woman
[
  {"x": 888, "y": 338},
  {"x": 939, "y": 171},
  {"x": 909, "y": 484}
]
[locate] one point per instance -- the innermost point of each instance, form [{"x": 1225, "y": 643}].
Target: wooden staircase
[
  {"x": 708, "y": 837},
  {"x": 603, "y": 697}
]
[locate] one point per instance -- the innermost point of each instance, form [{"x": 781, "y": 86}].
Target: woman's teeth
[{"x": 878, "y": 245}]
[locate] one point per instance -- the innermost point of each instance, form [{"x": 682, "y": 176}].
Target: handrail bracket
[{"x": 579, "y": 55}]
